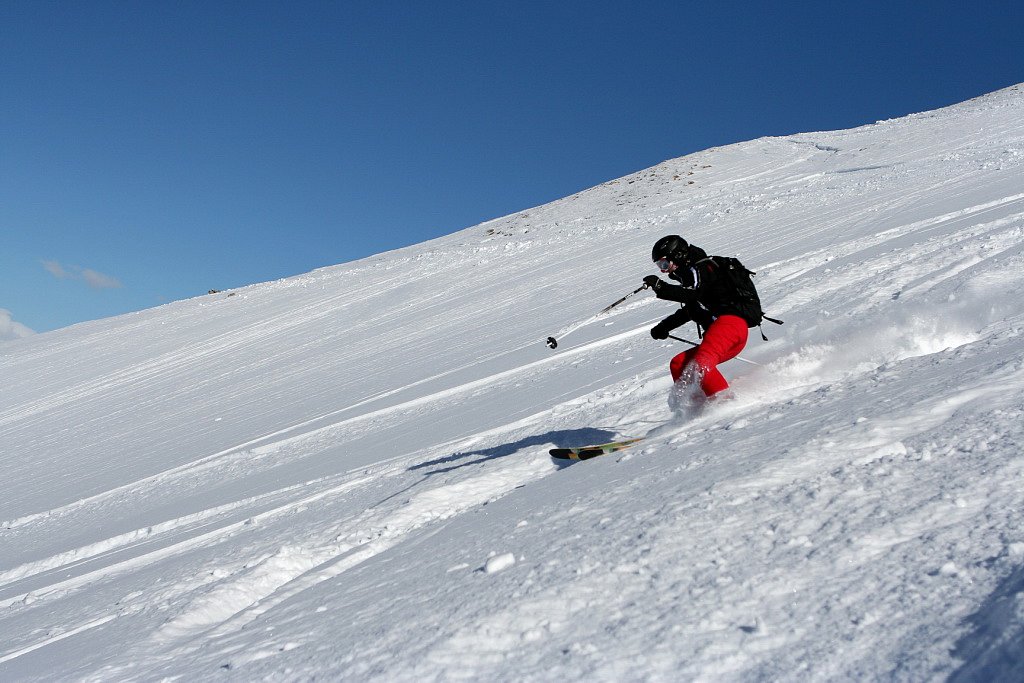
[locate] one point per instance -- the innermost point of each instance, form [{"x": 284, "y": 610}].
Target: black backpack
[{"x": 736, "y": 292}]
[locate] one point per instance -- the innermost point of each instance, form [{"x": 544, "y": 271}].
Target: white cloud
[
  {"x": 93, "y": 278},
  {"x": 9, "y": 329},
  {"x": 99, "y": 280},
  {"x": 56, "y": 270}
]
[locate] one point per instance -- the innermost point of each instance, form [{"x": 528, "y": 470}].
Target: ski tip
[{"x": 588, "y": 452}]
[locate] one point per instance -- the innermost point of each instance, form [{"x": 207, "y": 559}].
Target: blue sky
[{"x": 150, "y": 151}]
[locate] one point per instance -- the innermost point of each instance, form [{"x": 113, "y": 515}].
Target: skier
[{"x": 714, "y": 294}]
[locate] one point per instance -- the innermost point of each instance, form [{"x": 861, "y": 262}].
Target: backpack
[{"x": 735, "y": 291}]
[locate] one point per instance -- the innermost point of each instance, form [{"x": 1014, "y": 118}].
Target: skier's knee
[{"x": 677, "y": 364}]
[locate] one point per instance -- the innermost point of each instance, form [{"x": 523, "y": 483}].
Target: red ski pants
[{"x": 724, "y": 339}]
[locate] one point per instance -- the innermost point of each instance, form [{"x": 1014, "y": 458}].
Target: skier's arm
[
  {"x": 683, "y": 293},
  {"x": 661, "y": 330}
]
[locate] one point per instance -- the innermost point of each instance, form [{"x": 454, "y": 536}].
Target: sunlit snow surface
[{"x": 344, "y": 475}]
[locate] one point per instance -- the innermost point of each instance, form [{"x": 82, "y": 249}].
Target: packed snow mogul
[{"x": 715, "y": 292}]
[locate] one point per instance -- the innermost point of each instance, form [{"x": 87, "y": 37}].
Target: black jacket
[{"x": 701, "y": 292}]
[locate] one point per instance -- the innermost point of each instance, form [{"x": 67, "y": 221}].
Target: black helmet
[{"x": 672, "y": 247}]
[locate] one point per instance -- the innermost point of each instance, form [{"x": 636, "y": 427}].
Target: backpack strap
[
  {"x": 706, "y": 259},
  {"x": 771, "y": 320}
]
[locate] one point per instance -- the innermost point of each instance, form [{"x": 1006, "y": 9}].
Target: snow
[
  {"x": 498, "y": 563},
  {"x": 344, "y": 475},
  {"x": 10, "y": 328}
]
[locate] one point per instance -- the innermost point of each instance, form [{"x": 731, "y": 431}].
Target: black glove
[
  {"x": 653, "y": 281},
  {"x": 661, "y": 330}
]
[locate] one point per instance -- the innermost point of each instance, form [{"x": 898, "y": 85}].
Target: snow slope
[{"x": 344, "y": 475}]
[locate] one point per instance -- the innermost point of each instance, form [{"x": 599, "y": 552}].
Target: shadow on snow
[
  {"x": 994, "y": 649},
  {"x": 564, "y": 438}
]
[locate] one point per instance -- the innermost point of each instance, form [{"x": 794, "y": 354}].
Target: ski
[{"x": 588, "y": 452}]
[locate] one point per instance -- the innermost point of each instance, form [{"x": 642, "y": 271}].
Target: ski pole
[
  {"x": 552, "y": 342},
  {"x": 687, "y": 341},
  {"x": 672, "y": 336},
  {"x": 611, "y": 306}
]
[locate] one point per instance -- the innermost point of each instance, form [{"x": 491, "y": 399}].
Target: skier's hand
[
  {"x": 653, "y": 281},
  {"x": 660, "y": 331}
]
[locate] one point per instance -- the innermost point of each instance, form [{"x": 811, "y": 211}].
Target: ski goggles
[{"x": 664, "y": 263}]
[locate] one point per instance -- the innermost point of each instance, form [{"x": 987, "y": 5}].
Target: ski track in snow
[{"x": 248, "y": 506}]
